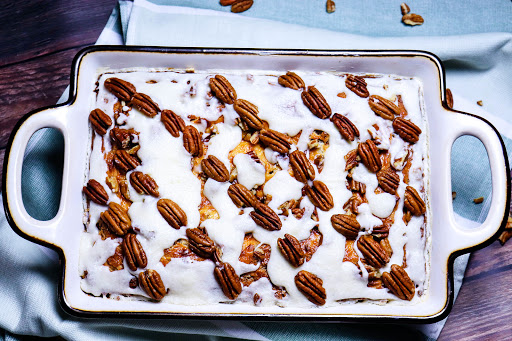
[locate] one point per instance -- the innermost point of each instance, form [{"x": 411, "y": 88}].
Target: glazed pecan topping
[
  {"x": 241, "y": 196},
  {"x": 346, "y": 224},
  {"x": 399, "y": 283},
  {"x": 310, "y": 285},
  {"x": 133, "y": 252},
  {"x": 320, "y": 195},
  {"x": 248, "y": 112},
  {"x": 291, "y": 80},
  {"x": 116, "y": 219},
  {"x": 172, "y": 122},
  {"x": 228, "y": 280},
  {"x": 351, "y": 159},
  {"x": 265, "y": 217},
  {"x": 381, "y": 231},
  {"x": 413, "y": 202},
  {"x": 172, "y": 213},
  {"x": 192, "y": 141},
  {"x": 215, "y": 169},
  {"x": 240, "y": 6},
  {"x": 145, "y": 104},
  {"x": 407, "y": 130},
  {"x": 200, "y": 243},
  {"x": 95, "y": 192},
  {"x": 388, "y": 180},
  {"x": 222, "y": 89},
  {"x": 302, "y": 169},
  {"x": 346, "y": 128},
  {"x": 121, "y": 89},
  {"x": 152, "y": 284},
  {"x": 122, "y": 138},
  {"x": 316, "y": 103},
  {"x": 124, "y": 161},
  {"x": 144, "y": 184},
  {"x": 357, "y": 85},
  {"x": 275, "y": 140},
  {"x": 291, "y": 250},
  {"x": 383, "y": 107},
  {"x": 373, "y": 253},
  {"x": 369, "y": 155},
  {"x": 100, "y": 121}
]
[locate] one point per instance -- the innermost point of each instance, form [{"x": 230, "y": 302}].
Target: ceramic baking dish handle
[
  {"x": 45, "y": 231},
  {"x": 465, "y": 124}
]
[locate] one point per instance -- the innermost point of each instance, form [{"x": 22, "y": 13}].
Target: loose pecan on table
[
  {"x": 192, "y": 141},
  {"x": 275, "y": 140},
  {"x": 369, "y": 155},
  {"x": 357, "y": 85},
  {"x": 124, "y": 161},
  {"x": 383, "y": 107},
  {"x": 302, "y": 169},
  {"x": 215, "y": 169},
  {"x": 241, "y": 196},
  {"x": 95, "y": 192},
  {"x": 228, "y": 280},
  {"x": 413, "y": 202},
  {"x": 449, "y": 98},
  {"x": 316, "y": 103},
  {"x": 152, "y": 284},
  {"x": 172, "y": 213},
  {"x": 345, "y": 126},
  {"x": 291, "y": 250},
  {"x": 100, "y": 121},
  {"x": 222, "y": 89},
  {"x": 145, "y": 104},
  {"x": 291, "y": 80},
  {"x": 373, "y": 253},
  {"x": 120, "y": 88},
  {"x": 200, "y": 243},
  {"x": 320, "y": 195},
  {"x": 388, "y": 180},
  {"x": 265, "y": 217},
  {"x": 407, "y": 130},
  {"x": 116, "y": 219},
  {"x": 172, "y": 122},
  {"x": 248, "y": 112},
  {"x": 310, "y": 286},
  {"x": 240, "y": 6},
  {"x": 144, "y": 184},
  {"x": 133, "y": 252},
  {"x": 346, "y": 224},
  {"x": 399, "y": 283}
]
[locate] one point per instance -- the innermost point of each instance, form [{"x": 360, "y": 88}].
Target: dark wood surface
[{"x": 38, "y": 40}]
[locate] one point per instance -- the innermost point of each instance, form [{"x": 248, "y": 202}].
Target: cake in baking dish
[{"x": 295, "y": 189}]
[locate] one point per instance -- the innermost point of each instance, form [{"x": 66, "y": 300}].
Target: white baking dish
[{"x": 63, "y": 232}]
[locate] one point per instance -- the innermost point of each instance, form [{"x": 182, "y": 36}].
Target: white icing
[{"x": 250, "y": 173}]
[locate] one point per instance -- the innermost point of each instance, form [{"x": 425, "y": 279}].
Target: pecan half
[
  {"x": 95, "y": 192},
  {"x": 373, "y": 253},
  {"x": 144, "y": 184},
  {"x": 357, "y": 85},
  {"x": 100, "y": 121},
  {"x": 291, "y": 80},
  {"x": 449, "y": 98},
  {"x": 192, "y": 141},
  {"x": 413, "y": 202},
  {"x": 320, "y": 195},
  {"x": 381, "y": 231},
  {"x": 346, "y": 224},
  {"x": 200, "y": 243},
  {"x": 351, "y": 159},
  {"x": 124, "y": 161},
  {"x": 412, "y": 19},
  {"x": 215, "y": 169},
  {"x": 265, "y": 217},
  {"x": 172, "y": 122},
  {"x": 383, "y": 107},
  {"x": 407, "y": 130},
  {"x": 388, "y": 180},
  {"x": 345, "y": 126},
  {"x": 310, "y": 285},
  {"x": 172, "y": 213},
  {"x": 241, "y": 196},
  {"x": 121, "y": 89},
  {"x": 228, "y": 280},
  {"x": 116, "y": 219},
  {"x": 145, "y": 104},
  {"x": 152, "y": 284},
  {"x": 316, "y": 103},
  {"x": 275, "y": 140},
  {"x": 291, "y": 250},
  {"x": 240, "y": 6},
  {"x": 122, "y": 138},
  {"x": 369, "y": 155},
  {"x": 302, "y": 169},
  {"x": 133, "y": 252},
  {"x": 399, "y": 283},
  {"x": 222, "y": 89},
  {"x": 248, "y": 112}
]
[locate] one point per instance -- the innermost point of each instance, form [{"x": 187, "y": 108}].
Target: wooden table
[{"x": 38, "y": 40}]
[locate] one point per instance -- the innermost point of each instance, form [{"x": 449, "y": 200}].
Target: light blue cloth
[{"x": 478, "y": 68}]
